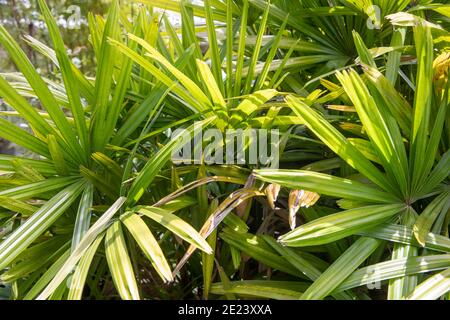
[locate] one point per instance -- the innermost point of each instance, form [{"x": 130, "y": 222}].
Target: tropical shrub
[{"x": 360, "y": 207}]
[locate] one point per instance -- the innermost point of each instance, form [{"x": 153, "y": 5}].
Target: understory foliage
[{"x": 359, "y": 208}]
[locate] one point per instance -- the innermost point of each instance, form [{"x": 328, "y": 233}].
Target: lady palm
[
  {"x": 78, "y": 172},
  {"x": 102, "y": 199},
  {"x": 395, "y": 192}
]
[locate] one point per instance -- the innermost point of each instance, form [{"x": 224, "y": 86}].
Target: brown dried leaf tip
[
  {"x": 272, "y": 192},
  {"x": 299, "y": 199}
]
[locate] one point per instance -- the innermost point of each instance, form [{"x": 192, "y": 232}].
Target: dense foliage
[{"x": 359, "y": 209}]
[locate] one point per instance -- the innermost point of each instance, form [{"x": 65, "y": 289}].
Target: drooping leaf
[
  {"x": 147, "y": 242},
  {"x": 119, "y": 263},
  {"x": 340, "y": 225}
]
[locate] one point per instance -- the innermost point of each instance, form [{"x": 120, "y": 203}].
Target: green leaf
[
  {"x": 351, "y": 259},
  {"x": 400, "y": 287},
  {"x": 108, "y": 164},
  {"x": 99, "y": 182},
  {"x": 71, "y": 85},
  {"x": 44, "y": 167},
  {"x": 434, "y": 142},
  {"x": 151, "y": 169},
  {"x": 216, "y": 60},
  {"x": 398, "y": 105},
  {"x": 422, "y": 105},
  {"x": 366, "y": 148},
  {"x": 148, "y": 108},
  {"x": 47, "y": 276},
  {"x": 380, "y": 126},
  {"x": 119, "y": 263},
  {"x": 174, "y": 5},
  {"x": 394, "y": 269},
  {"x": 85, "y": 86},
  {"x": 337, "y": 142},
  {"x": 364, "y": 54},
  {"x": 241, "y": 51},
  {"x": 293, "y": 20},
  {"x": 83, "y": 219},
  {"x": 38, "y": 188},
  {"x": 208, "y": 265},
  {"x": 106, "y": 61},
  {"x": 258, "y": 249},
  {"x": 177, "y": 44},
  {"x": 35, "y": 258},
  {"x": 176, "y": 225},
  {"x": 161, "y": 76},
  {"x": 57, "y": 156},
  {"x": 324, "y": 184},
  {"x": 296, "y": 259},
  {"x": 235, "y": 223},
  {"x": 40, "y": 221},
  {"x": 405, "y": 235},
  {"x": 17, "y": 206},
  {"x": 229, "y": 48},
  {"x": 26, "y": 171},
  {"x": 91, "y": 235},
  {"x": 433, "y": 287},
  {"x": 179, "y": 203},
  {"x": 257, "y": 49},
  {"x": 278, "y": 290},
  {"x": 42, "y": 91},
  {"x": 339, "y": 225},
  {"x": 190, "y": 85},
  {"x": 393, "y": 60},
  {"x": 426, "y": 219},
  {"x": 210, "y": 83},
  {"x": 107, "y": 124},
  {"x": 22, "y": 138},
  {"x": 81, "y": 271},
  {"x": 250, "y": 105},
  {"x": 300, "y": 262},
  {"x": 270, "y": 56},
  {"x": 96, "y": 27},
  {"x": 147, "y": 242},
  {"x": 21, "y": 105},
  {"x": 439, "y": 173}
]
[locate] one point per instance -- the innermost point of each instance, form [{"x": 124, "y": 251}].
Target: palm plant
[
  {"x": 79, "y": 180},
  {"x": 403, "y": 185},
  {"x": 93, "y": 211},
  {"x": 390, "y": 162}
]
